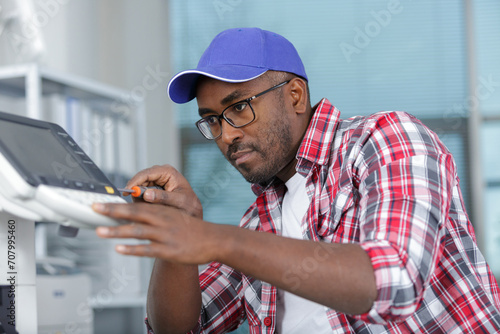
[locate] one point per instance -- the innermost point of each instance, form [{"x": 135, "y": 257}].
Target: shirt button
[{"x": 268, "y": 321}]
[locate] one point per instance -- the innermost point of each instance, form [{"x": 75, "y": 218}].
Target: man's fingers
[
  {"x": 158, "y": 247},
  {"x": 135, "y": 231},
  {"x": 145, "y": 175},
  {"x": 155, "y": 175},
  {"x": 176, "y": 190},
  {"x": 175, "y": 199},
  {"x": 147, "y": 250},
  {"x": 135, "y": 212}
]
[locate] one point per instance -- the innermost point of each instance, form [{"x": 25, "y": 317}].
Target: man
[{"x": 358, "y": 225}]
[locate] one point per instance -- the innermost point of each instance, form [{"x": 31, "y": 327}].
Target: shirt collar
[{"x": 315, "y": 147}]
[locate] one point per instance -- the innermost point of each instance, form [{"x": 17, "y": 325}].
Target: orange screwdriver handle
[{"x": 139, "y": 190}]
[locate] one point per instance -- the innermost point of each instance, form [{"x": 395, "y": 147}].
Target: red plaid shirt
[{"x": 387, "y": 183}]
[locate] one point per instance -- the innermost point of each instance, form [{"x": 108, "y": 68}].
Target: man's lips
[{"x": 241, "y": 156}]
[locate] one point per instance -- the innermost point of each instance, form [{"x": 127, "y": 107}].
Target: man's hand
[
  {"x": 181, "y": 239},
  {"x": 177, "y": 192},
  {"x": 177, "y": 239},
  {"x": 174, "y": 235}
]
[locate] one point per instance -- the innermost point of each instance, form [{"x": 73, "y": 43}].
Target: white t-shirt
[{"x": 295, "y": 314}]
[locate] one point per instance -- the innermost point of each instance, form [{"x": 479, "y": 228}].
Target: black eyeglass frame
[{"x": 222, "y": 115}]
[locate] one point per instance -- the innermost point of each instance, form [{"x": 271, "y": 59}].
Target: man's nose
[{"x": 230, "y": 133}]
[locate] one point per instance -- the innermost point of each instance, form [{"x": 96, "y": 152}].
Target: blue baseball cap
[{"x": 238, "y": 55}]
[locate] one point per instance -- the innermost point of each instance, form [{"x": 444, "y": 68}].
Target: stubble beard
[{"x": 273, "y": 149}]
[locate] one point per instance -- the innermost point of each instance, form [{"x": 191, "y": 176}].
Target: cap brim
[{"x": 182, "y": 87}]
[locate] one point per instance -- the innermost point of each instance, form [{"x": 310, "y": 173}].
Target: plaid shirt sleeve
[
  {"x": 222, "y": 309},
  {"x": 406, "y": 178},
  {"x": 222, "y": 305}
]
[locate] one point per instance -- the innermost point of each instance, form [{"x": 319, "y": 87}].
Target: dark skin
[{"x": 339, "y": 276}]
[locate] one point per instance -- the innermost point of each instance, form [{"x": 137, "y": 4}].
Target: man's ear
[{"x": 298, "y": 93}]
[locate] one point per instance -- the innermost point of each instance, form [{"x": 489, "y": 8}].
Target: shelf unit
[
  {"x": 109, "y": 124},
  {"x": 26, "y": 86}
]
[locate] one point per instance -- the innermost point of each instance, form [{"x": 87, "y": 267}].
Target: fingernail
[
  {"x": 99, "y": 207},
  {"x": 102, "y": 231},
  {"x": 120, "y": 248},
  {"x": 149, "y": 195}
]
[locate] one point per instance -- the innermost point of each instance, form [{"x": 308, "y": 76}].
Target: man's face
[{"x": 263, "y": 148}]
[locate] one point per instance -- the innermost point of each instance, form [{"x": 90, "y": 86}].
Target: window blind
[{"x": 365, "y": 56}]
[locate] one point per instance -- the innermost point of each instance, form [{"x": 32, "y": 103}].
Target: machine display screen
[{"x": 40, "y": 152}]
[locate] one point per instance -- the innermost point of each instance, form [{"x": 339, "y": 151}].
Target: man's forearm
[
  {"x": 174, "y": 297},
  {"x": 339, "y": 276}
]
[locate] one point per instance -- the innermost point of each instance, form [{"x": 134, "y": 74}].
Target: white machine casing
[
  {"x": 46, "y": 202},
  {"x": 63, "y": 303}
]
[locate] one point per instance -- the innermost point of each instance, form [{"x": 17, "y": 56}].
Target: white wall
[{"x": 134, "y": 37}]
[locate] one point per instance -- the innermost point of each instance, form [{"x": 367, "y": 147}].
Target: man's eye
[
  {"x": 212, "y": 120},
  {"x": 239, "y": 107}
]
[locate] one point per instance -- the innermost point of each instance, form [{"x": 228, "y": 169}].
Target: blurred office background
[{"x": 435, "y": 59}]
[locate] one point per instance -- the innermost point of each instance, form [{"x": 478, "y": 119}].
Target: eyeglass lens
[{"x": 237, "y": 115}]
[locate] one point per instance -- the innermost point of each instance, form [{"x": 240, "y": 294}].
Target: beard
[{"x": 274, "y": 148}]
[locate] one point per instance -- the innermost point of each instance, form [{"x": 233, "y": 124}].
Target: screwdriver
[{"x": 137, "y": 191}]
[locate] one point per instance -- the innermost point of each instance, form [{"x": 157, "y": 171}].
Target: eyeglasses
[{"x": 237, "y": 115}]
